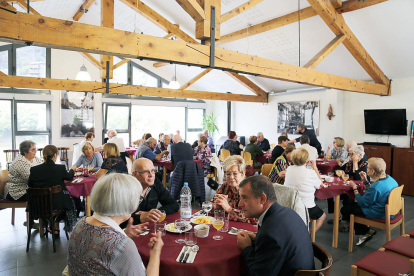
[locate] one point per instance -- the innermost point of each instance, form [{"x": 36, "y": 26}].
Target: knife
[
  {"x": 187, "y": 255},
  {"x": 182, "y": 254}
]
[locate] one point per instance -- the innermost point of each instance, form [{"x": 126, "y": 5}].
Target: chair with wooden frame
[
  {"x": 410, "y": 234},
  {"x": 63, "y": 153},
  {"x": 324, "y": 257},
  {"x": 13, "y": 204},
  {"x": 40, "y": 205},
  {"x": 10, "y": 156},
  {"x": 213, "y": 174},
  {"x": 394, "y": 206},
  {"x": 401, "y": 246},
  {"x": 266, "y": 169},
  {"x": 249, "y": 161},
  {"x": 224, "y": 154}
]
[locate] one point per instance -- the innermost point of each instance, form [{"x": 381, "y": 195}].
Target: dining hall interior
[{"x": 236, "y": 79}]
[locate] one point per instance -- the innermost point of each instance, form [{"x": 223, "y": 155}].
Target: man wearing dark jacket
[
  {"x": 282, "y": 244},
  {"x": 181, "y": 151},
  {"x": 152, "y": 192},
  {"x": 262, "y": 142}
]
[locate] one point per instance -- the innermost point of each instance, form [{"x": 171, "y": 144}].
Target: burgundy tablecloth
[
  {"x": 131, "y": 151},
  {"x": 264, "y": 158},
  {"x": 83, "y": 188},
  {"x": 340, "y": 189},
  {"x": 217, "y": 258},
  {"x": 170, "y": 166},
  {"x": 326, "y": 167}
]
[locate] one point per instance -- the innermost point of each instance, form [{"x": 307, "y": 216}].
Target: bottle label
[{"x": 186, "y": 213}]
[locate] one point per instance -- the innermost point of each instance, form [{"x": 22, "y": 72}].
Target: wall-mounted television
[{"x": 385, "y": 121}]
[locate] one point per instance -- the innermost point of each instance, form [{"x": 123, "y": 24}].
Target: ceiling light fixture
[
  {"x": 174, "y": 84},
  {"x": 83, "y": 74}
]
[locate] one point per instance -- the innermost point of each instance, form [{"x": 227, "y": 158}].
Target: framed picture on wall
[
  {"x": 292, "y": 114},
  {"x": 76, "y": 113},
  {"x": 412, "y": 134}
]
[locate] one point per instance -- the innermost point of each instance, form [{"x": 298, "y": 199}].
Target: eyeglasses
[
  {"x": 232, "y": 174},
  {"x": 146, "y": 172}
]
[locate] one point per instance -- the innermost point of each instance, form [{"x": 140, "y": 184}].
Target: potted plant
[{"x": 209, "y": 123}]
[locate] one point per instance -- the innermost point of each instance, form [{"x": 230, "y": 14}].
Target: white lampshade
[
  {"x": 83, "y": 74},
  {"x": 174, "y": 84}
]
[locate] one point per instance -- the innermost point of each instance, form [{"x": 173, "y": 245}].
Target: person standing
[
  {"x": 180, "y": 151},
  {"x": 313, "y": 141},
  {"x": 283, "y": 142}
]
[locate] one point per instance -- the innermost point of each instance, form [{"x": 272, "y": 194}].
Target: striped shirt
[{"x": 280, "y": 165}]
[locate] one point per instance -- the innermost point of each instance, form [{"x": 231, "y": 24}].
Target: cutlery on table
[
  {"x": 182, "y": 254},
  {"x": 193, "y": 254}
]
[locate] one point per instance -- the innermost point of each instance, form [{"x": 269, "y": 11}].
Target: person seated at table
[
  {"x": 112, "y": 161},
  {"x": 195, "y": 144},
  {"x": 180, "y": 151},
  {"x": 98, "y": 246},
  {"x": 227, "y": 197},
  {"x": 372, "y": 203},
  {"x": 349, "y": 145},
  {"x": 313, "y": 141},
  {"x": 163, "y": 144},
  {"x": 153, "y": 192},
  {"x": 203, "y": 152},
  {"x": 356, "y": 164},
  {"x": 231, "y": 144},
  {"x": 49, "y": 174},
  {"x": 313, "y": 153},
  {"x": 160, "y": 136},
  {"x": 147, "y": 150},
  {"x": 289, "y": 143},
  {"x": 210, "y": 141},
  {"x": 282, "y": 244},
  {"x": 307, "y": 182},
  {"x": 19, "y": 171},
  {"x": 280, "y": 148},
  {"x": 254, "y": 150},
  {"x": 88, "y": 138},
  {"x": 113, "y": 138},
  {"x": 338, "y": 151},
  {"x": 89, "y": 158},
  {"x": 278, "y": 173},
  {"x": 262, "y": 142}
]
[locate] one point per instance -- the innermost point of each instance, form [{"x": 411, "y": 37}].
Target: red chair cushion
[
  {"x": 401, "y": 245},
  {"x": 411, "y": 233},
  {"x": 396, "y": 219},
  {"x": 11, "y": 201},
  {"x": 384, "y": 264},
  {"x": 249, "y": 171}
]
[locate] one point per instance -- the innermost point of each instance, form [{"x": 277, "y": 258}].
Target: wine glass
[
  {"x": 218, "y": 223},
  {"x": 207, "y": 206},
  {"x": 180, "y": 225},
  {"x": 328, "y": 157},
  {"x": 339, "y": 173},
  {"x": 345, "y": 177},
  {"x": 163, "y": 216}
]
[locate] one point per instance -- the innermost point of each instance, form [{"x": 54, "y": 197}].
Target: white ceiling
[{"x": 386, "y": 31}]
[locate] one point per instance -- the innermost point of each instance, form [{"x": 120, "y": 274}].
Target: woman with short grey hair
[
  {"x": 356, "y": 163},
  {"x": 19, "y": 171},
  {"x": 98, "y": 246}
]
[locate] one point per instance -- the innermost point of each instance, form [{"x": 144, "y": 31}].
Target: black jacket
[
  {"x": 49, "y": 174},
  {"x": 264, "y": 145},
  {"x": 157, "y": 194},
  {"x": 313, "y": 141},
  {"x": 283, "y": 245},
  {"x": 232, "y": 146},
  {"x": 181, "y": 152},
  {"x": 277, "y": 151}
]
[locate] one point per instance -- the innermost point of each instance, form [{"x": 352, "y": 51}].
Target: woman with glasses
[
  {"x": 227, "y": 196},
  {"x": 112, "y": 162},
  {"x": 356, "y": 163},
  {"x": 338, "y": 151}
]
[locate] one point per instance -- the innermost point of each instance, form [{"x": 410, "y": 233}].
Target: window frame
[{"x": 105, "y": 119}]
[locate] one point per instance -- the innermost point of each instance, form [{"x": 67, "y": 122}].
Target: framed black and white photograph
[
  {"x": 412, "y": 134},
  {"x": 76, "y": 113},
  {"x": 292, "y": 114}
]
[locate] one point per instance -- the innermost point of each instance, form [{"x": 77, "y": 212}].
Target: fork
[{"x": 186, "y": 248}]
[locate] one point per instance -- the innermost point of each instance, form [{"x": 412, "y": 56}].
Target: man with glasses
[
  {"x": 146, "y": 149},
  {"x": 153, "y": 192}
]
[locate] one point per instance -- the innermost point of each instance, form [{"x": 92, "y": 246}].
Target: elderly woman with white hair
[
  {"x": 227, "y": 197},
  {"x": 372, "y": 203},
  {"x": 98, "y": 246},
  {"x": 356, "y": 163}
]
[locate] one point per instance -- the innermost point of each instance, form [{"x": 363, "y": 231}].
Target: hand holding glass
[{"x": 163, "y": 215}]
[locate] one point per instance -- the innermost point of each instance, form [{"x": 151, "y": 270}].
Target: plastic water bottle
[{"x": 185, "y": 197}]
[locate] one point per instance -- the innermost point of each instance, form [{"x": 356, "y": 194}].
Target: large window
[
  {"x": 195, "y": 123},
  {"x": 117, "y": 116},
  {"x": 6, "y": 134}
]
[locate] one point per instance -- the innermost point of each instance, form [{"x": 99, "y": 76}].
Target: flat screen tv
[{"x": 385, "y": 121}]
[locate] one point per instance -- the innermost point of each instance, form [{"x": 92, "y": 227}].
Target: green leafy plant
[{"x": 209, "y": 123}]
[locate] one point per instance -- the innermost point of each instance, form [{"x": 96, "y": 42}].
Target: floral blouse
[
  {"x": 114, "y": 164},
  {"x": 204, "y": 155},
  {"x": 233, "y": 199},
  {"x": 342, "y": 154}
]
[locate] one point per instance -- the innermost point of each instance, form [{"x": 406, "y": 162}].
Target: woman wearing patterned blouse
[
  {"x": 112, "y": 162},
  {"x": 278, "y": 173},
  {"x": 19, "y": 172},
  {"x": 227, "y": 196},
  {"x": 203, "y": 152},
  {"x": 338, "y": 152},
  {"x": 356, "y": 163}
]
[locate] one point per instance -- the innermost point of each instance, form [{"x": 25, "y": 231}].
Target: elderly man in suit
[{"x": 282, "y": 244}]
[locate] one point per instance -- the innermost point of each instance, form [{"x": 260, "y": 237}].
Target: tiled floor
[{"x": 41, "y": 260}]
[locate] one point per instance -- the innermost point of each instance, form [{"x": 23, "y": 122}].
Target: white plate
[
  {"x": 187, "y": 228},
  {"x": 193, "y": 219}
]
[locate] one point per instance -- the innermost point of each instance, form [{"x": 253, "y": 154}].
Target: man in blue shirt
[
  {"x": 146, "y": 150},
  {"x": 312, "y": 137},
  {"x": 210, "y": 141}
]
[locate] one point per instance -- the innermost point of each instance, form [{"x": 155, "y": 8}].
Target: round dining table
[
  {"x": 326, "y": 166},
  {"x": 264, "y": 159},
  {"x": 218, "y": 258},
  {"x": 335, "y": 190},
  {"x": 83, "y": 188}
]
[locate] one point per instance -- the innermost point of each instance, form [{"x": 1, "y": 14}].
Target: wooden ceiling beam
[
  {"x": 193, "y": 9},
  {"x": 15, "y": 1},
  {"x": 119, "y": 64},
  {"x": 196, "y": 78},
  {"x": 322, "y": 54},
  {"x": 248, "y": 84},
  {"x": 160, "y": 64},
  {"x": 23, "y": 5},
  {"x": 240, "y": 9},
  {"x": 203, "y": 27},
  {"x": 75, "y": 36},
  {"x": 85, "y": 6},
  {"x": 92, "y": 60},
  {"x": 336, "y": 3},
  {"x": 114, "y": 88},
  {"x": 2, "y": 74},
  {"x": 6, "y": 6},
  {"x": 337, "y": 24},
  {"x": 107, "y": 21},
  {"x": 350, "y": 5}
]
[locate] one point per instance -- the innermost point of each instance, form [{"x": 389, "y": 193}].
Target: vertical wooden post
[
  {"x": 203, "y": 26},
  {"x": 107, "y": 20}
]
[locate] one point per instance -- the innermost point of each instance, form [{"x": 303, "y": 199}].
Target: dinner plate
[
  {"x": 187, "y": 228},
  {"x": 193, "y": 220}
]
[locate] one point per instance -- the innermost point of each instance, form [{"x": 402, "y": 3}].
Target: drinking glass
[
  {"x": 190, "y": 238},
  {"x": 328, "y": 157},
  {"x": 180, "y": 225},
  {"x": 338, "y": 173},
  {"x": 226, "y": 224},
  {"x": 218, "y": 223},
  {"x": 219, "y": 214},
  {"x": 345, "y": 177},
  {"x": 159, "y": 227},
  {"x": 163, "y": 215},
  {"x": 207, "y": 206}
]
